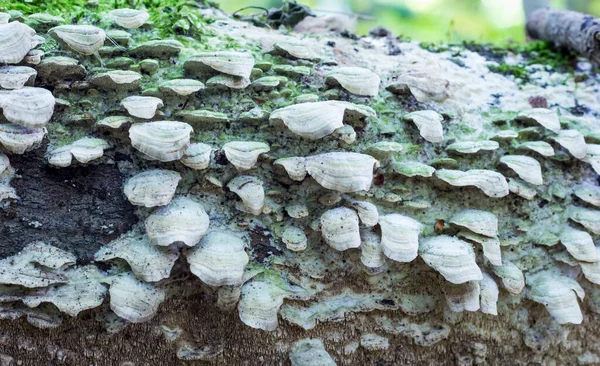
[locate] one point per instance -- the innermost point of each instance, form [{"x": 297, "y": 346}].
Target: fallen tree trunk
[
  {"x": 469, "y": 240},
  {"x": 567, "y": 29}
]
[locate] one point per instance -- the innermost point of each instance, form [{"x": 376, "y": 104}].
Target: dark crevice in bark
[{"x": 77, "y": 209}]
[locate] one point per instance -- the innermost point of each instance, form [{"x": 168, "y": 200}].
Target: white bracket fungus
[
  {"x": 488, "y": 294},
  {"x": 579, "y": 244},
  {"x": 16, "y": 77},
  {"x": 339, "y": 228},
  {"x": 197, "y": 156},
  {"x": 478, "y": 221},
  {"x": 429, "y": 124},
  {"x": 505, "y": 135},
  {"x": 16, "y": 39},
  {"x": 4, "y": 164},
  {"x": 82, "y": 290},
  {"x": 540, "y": 147},
  {"x": 83, "y": 39},
  {"x": 6, "y": 174},
  {"x": 88, "y": 149},
  {"x": 134, "y": 300},
  {"x": 573, "y": 141},
  {"x": 367, "y": 212},
  {"x": 163, "y": 140},
  {"x": 181, "y": 87},
  {"x": 129, "y": 18},
  {"x": 356, "y": 80},
  {"x": 511, "y": 276},
  {"x": 34, "y": 57},
  {"x": 269, "y": 82},
  {"x": 422, "y": 86},
  {"x": 521, "y": 189},
  {"x": 591, "y": 270},
  {"x": 152, "y": 188},
  {"x": 590, "y": 219},
  {"x": 491, "y": 246},
  {"x": 342, "y": 171},
  {"x": 244, "y": 154},
  {"x": 202, "y": 117},
  {"x": 593, "y": 157},
  {"x": 345, "y": 133},
  {"x": 385, "y": 151},
  {"x": 491, "y": 183},
  {"x": 182, "y": 220},
  {"x": 29, "y": 107},
  {"x": 588, "y": 193},
  {"x": 558, "y": 294},
  {"x": 294, "y": 49},
  {"x": 318, "y": 119},
  {"x": 260, "y": 303},
  {"x": 84, "y": 150},
  {"x": 310, "y": 352},
  {"x": 227, "y": 81},
  {"x": 399, "y": 237},
  {"x": 545, "y": 117},
  {"x": 148, "y": 262},
  {"x": 371, "y": 252},
  {"x": 472, "y": 147},
  {"x": 452, "y": 257},
  {"x": 294, "y": 238},
  {"x": 251, "y": 192},
  {"x": 142, "y": 107},
  {"x": 37, "y": 265},
  {"x": 115, "y": 121},
  {"x": 121, "y": 80},
  {"x": 18, "y": 139},
  {"x": 219, "y": 259},
  {"x": 295, "y": 167},
  {"x": 238, "y": 64},
  {"x": 412, "y": 169}
]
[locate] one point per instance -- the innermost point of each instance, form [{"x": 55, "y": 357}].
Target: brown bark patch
[{"x": 77, "y": 209}]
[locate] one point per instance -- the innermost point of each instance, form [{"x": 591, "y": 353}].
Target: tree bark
[
  {"x": 567, "y": 29},
  {"x": 82, "y": 208}
]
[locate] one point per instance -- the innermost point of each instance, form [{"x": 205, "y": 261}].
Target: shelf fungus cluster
[
  {"x": 315, "y": 120},
  {"x": 297, "y": 178}
]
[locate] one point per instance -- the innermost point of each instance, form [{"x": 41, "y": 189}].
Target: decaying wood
[
  {"x": 567, "y": 29},
  {"x": 83, "y": 204},
  {"x": 82, "y": 208},
  {"x": 219, "y": 338}
]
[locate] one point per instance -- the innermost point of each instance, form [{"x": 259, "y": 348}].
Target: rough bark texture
[
  {"x": 568, "y": 29},
  {"x": 81, "y": 208},
  {"x": 84, "y": 205},
  {"x": 474, "y": 340}
]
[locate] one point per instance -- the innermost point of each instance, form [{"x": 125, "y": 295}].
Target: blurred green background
[{"x": 495, "y": 21}]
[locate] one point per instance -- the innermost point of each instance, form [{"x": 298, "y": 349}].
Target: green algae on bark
[{"x": 297, "y": 171}]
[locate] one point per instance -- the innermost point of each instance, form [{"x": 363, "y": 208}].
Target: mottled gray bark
[{"x": 567, "y": 29}]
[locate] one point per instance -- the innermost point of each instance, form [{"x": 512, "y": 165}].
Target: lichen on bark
[{"x": 425, "y": 193}]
